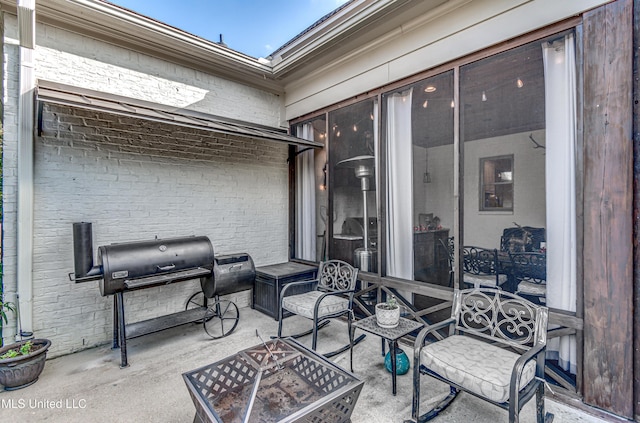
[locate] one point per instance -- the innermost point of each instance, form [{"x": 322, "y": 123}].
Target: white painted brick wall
[
  {"x": 135, "y": 180},
  {"x": 156, "y": 187},
  {"x": 74, "y": 60}
]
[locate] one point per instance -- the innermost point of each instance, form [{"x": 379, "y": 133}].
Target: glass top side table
[{"x": 405, "y": 326}]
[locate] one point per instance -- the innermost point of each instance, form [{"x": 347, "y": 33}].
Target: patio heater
[{"x": 365, "y": 258}]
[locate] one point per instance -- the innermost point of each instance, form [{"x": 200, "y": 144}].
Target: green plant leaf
[
  {"x": 26, "y": 348},
  {"x": 9, "y": 354}
]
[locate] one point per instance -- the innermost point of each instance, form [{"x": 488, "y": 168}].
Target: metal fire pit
[{"x": 289, "y": 383}]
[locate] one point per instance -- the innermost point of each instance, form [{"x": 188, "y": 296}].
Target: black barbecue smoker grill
[{"x": 129, "y": 266}]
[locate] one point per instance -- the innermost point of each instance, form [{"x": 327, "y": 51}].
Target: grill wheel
[
  {"x": 221, "y": 318},
  {"x": 197, "y": 300}
]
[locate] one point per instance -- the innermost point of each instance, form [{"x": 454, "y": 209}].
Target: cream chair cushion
[
  {"x": 486, "y": 281},
  {"x": 477, "y": 366},
  {"x": 530, "y": 288},
  {"x": 303, "y": 304}
]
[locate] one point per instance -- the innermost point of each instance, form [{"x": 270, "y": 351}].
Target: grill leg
[
  {"x": 116, "y": 326},
  {"x": 123, "y": 335}
]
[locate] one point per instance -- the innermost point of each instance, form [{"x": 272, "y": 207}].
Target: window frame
[{"x": 482, "y": 184}]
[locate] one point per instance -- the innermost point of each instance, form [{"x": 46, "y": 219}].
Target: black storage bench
[{"x": 271, "y": 279}]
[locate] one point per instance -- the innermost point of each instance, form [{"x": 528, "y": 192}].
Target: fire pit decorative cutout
[{"x": 288, "y": 384}]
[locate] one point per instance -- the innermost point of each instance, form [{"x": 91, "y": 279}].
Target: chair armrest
[
  {"x": 419, "y": 342},
  {"x": 311, "y": 282},
  {"x": 431, "y": 328},
  {"x": 349, "y": 292},
  {"x": 518, "y": 367}
]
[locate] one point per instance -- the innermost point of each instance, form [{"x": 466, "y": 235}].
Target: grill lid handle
[{"x": 166, "y": 268}]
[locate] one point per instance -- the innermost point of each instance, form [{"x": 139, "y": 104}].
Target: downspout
[{"x": 27, "y": 84}]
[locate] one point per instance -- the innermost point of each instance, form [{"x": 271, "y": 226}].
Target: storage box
[{"x": 271, "y": 279}]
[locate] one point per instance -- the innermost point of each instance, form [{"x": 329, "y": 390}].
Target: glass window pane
[
  {"x": 418, "y": 125},
  {"x": 502, "y": 123},
  {"x": 352, "y": 166}
]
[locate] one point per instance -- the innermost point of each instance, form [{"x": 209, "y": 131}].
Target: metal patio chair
[
  {"x": 331, "y": 296},
  {"x": 495, "y": 350},
  {"x": 481, "y": 268},
  {"x": 448, "y": 247},
  {"x": 530, "y": 275}
]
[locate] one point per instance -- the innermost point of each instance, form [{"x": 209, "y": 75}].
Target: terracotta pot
[
  {"x": 23, "y": 370},
  {"x": 387, "y": 318}
]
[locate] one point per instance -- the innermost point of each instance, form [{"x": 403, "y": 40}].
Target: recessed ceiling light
[{"x": 430, "y": 89}]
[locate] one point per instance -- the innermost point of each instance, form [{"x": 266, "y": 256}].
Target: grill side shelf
[{"x": 166, "y": 278}]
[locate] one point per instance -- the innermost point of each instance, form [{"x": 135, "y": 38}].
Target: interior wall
[
  {"x": 484, "y": 228},
  {"x": 436, "y": 196}
]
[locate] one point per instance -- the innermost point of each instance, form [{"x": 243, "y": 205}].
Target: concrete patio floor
[{"x": 89, "y": 386}]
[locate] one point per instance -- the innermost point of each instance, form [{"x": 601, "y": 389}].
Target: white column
[{"x": 26, "y": 26}]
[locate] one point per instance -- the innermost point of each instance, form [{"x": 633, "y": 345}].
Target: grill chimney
[{"x": 83, "y": 253}]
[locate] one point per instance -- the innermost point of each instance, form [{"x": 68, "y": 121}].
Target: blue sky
[{"x": 253, "y": 27}]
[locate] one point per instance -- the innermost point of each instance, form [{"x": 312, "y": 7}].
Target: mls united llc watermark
[{"x": 20, "y": 403}]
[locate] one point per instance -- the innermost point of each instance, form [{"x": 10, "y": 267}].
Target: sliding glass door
[
  {"x": 518, "y": 132},
  {"x": 475, "y": 161}
]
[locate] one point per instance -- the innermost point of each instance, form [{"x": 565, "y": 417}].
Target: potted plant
[
  {"x": 388, "y": 313},
  {"x": 22, "y": 362}
]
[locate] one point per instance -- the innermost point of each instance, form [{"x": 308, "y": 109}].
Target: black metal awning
[{"x": 56, "y": 93}]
